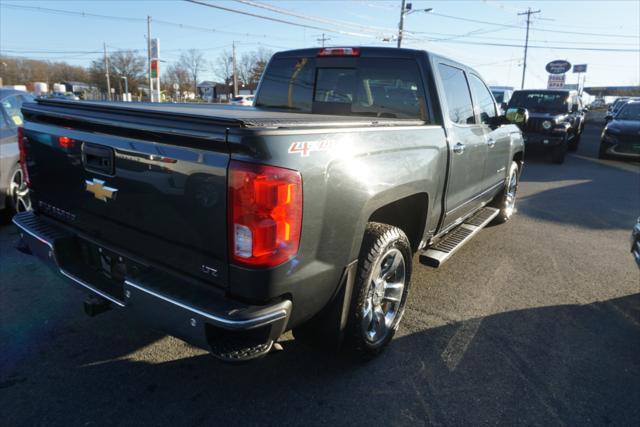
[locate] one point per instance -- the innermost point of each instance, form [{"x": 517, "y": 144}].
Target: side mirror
[
  {"x": 518, "y": 116},
  {"x": 503, "y": 106},
  {"x": 574, "y": 108}
]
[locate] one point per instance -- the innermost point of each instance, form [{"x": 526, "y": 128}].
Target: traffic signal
[{"x": 154, "y": 68}]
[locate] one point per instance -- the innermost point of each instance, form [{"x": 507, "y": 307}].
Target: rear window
[{"x": 374, "y": 88}]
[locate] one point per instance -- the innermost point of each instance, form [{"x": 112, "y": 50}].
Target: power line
[
  {"x": 282, "y": 21},
  {"x": 132, "y": 20},
  {"x": 314, "y": 18},
  {"x": 596, "y": 49},
  {"x": 477, "y": 21}
]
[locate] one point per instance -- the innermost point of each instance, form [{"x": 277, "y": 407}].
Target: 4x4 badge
[{"x": 99, "y": 190}]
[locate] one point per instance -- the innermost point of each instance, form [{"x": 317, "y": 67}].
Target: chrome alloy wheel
[
  {"x": 510, "y": 196},
  {"x": 19, "y": 192},
  {"x": 384, "y": 296}
]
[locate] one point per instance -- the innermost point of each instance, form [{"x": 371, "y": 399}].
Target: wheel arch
[{"x": 408, "y": 214}]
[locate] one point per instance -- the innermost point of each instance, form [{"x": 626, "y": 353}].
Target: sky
[{"x": 466, "y": 31}]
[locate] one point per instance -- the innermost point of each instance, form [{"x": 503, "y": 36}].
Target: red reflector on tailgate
[{"x": 65, "y": 142}]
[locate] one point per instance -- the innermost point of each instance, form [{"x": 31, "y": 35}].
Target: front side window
[
  {"x": 630, "y": 111},
  {"x": 485, "y": 106},
  {"x": 457, "y": 93}
]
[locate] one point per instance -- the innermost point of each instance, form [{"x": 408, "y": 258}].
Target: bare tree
[
  {"x": 124, "y": 63},
  {"x": 129, "y": 64},
  {"x": 223, "y": 67},
  {"x": 245, "y": 67},
  {"x": 177, "y": 74},
  {"x": 261, "y": 58},
  {"x": 193, "y": 61}
]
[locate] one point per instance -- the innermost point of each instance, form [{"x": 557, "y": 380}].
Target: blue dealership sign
[{"x": 580, "y": 68}]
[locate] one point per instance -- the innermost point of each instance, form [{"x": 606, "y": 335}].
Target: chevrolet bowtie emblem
[{"x": 99, "y": 190}]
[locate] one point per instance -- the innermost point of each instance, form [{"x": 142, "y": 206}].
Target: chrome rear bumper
[{"x": 196, "y": 313}]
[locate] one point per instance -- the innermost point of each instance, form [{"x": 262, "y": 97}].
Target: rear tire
[
  {"x": 506, "y": 200},
  {"x": 18, "y": 199},
  {"x": 380, "y": 289}
]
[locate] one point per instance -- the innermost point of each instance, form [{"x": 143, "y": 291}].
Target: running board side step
[{"x": 436, "y": 255}]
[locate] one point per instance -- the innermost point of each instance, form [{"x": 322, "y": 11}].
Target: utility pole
[
  {"x": 323, "y": 39},
  {"x": 235, "y": 75},
  {"x": 149, "y": 57},
  {"x": 401, "y": 23},
  {"x": 407, "y": 9},
  {"x": 529, "y": 12},
  {"x": 106, "y": 72}
]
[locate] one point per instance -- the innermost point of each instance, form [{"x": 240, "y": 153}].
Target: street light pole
[
  {"x": 106, "y": 72},
  {"x": 149, "y": 58},
  {"x": 126, "y": 88},
  {"x": 406, "y": 9},
  {"x": 402, "y": 12}
]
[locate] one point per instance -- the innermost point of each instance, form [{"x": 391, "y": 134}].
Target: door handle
[
  {"x": 458, "y": 148},
  {"x": 491, "y": 142}
]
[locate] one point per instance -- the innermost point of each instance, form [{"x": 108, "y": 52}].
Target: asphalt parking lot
[{"x": 533, "y": 322}]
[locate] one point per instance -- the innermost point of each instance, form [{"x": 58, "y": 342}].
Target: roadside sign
[
  {"x": 154, "y": 68},
  {"x": 580, "y": 68},
  {"x": 556, "y": 81},
  {"x": 559, "y": 66},
  {"x": 155, "y": 48}
]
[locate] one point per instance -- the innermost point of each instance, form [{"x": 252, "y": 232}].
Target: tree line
[{"x": 185, "y": 73}]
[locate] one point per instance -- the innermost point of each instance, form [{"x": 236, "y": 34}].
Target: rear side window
[
  {"x": 12, "y": 105},
  {"x": 374, "y": 88},
  {"x": 287, "y": 85},
  {"x": 486, "y": 107},
  {"x": 457, "y": 93}
]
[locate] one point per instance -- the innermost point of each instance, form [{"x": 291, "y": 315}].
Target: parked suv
[{"x": 556, "y": 120}]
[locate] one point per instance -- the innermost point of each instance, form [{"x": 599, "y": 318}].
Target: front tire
[
  {"x": 573, "y": 145},
  {"x": 559, "y": 152},
  {"x": 381, "y": 289},
  {"x": 602, "y": 152},
  {"x": 506, "y": 200}
]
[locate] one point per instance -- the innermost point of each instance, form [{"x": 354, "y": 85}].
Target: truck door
[
  {"x": 497, "y": 137},
  {"x": 467, "y": 145}
]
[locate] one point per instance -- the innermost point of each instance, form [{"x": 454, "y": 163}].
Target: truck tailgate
[{"x": 158, "y": 192}]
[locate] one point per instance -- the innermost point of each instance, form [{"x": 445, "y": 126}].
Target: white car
[
  {"x": 14, "y": 193},
  {"x": 246, "y": 100}
]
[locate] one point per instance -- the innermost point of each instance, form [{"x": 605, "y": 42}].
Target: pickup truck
[{"x": 228, "y": 226}]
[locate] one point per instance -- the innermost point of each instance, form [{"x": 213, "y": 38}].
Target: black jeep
[{"x": 556, "y": 120}]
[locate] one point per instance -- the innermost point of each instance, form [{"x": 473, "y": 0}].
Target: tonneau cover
[{"x": 228, "y": 115}]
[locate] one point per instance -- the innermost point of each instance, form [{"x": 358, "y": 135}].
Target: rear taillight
[
  {"x": 265, "y": 214},
  {"x": 339, "y": 51},
  {"x": 23, "y": 155}
]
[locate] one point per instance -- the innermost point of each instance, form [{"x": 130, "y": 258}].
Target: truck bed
[{"x": 214, "y": 114}]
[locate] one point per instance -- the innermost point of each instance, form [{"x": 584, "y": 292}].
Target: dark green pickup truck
[{"x": 227, "y": 226}]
